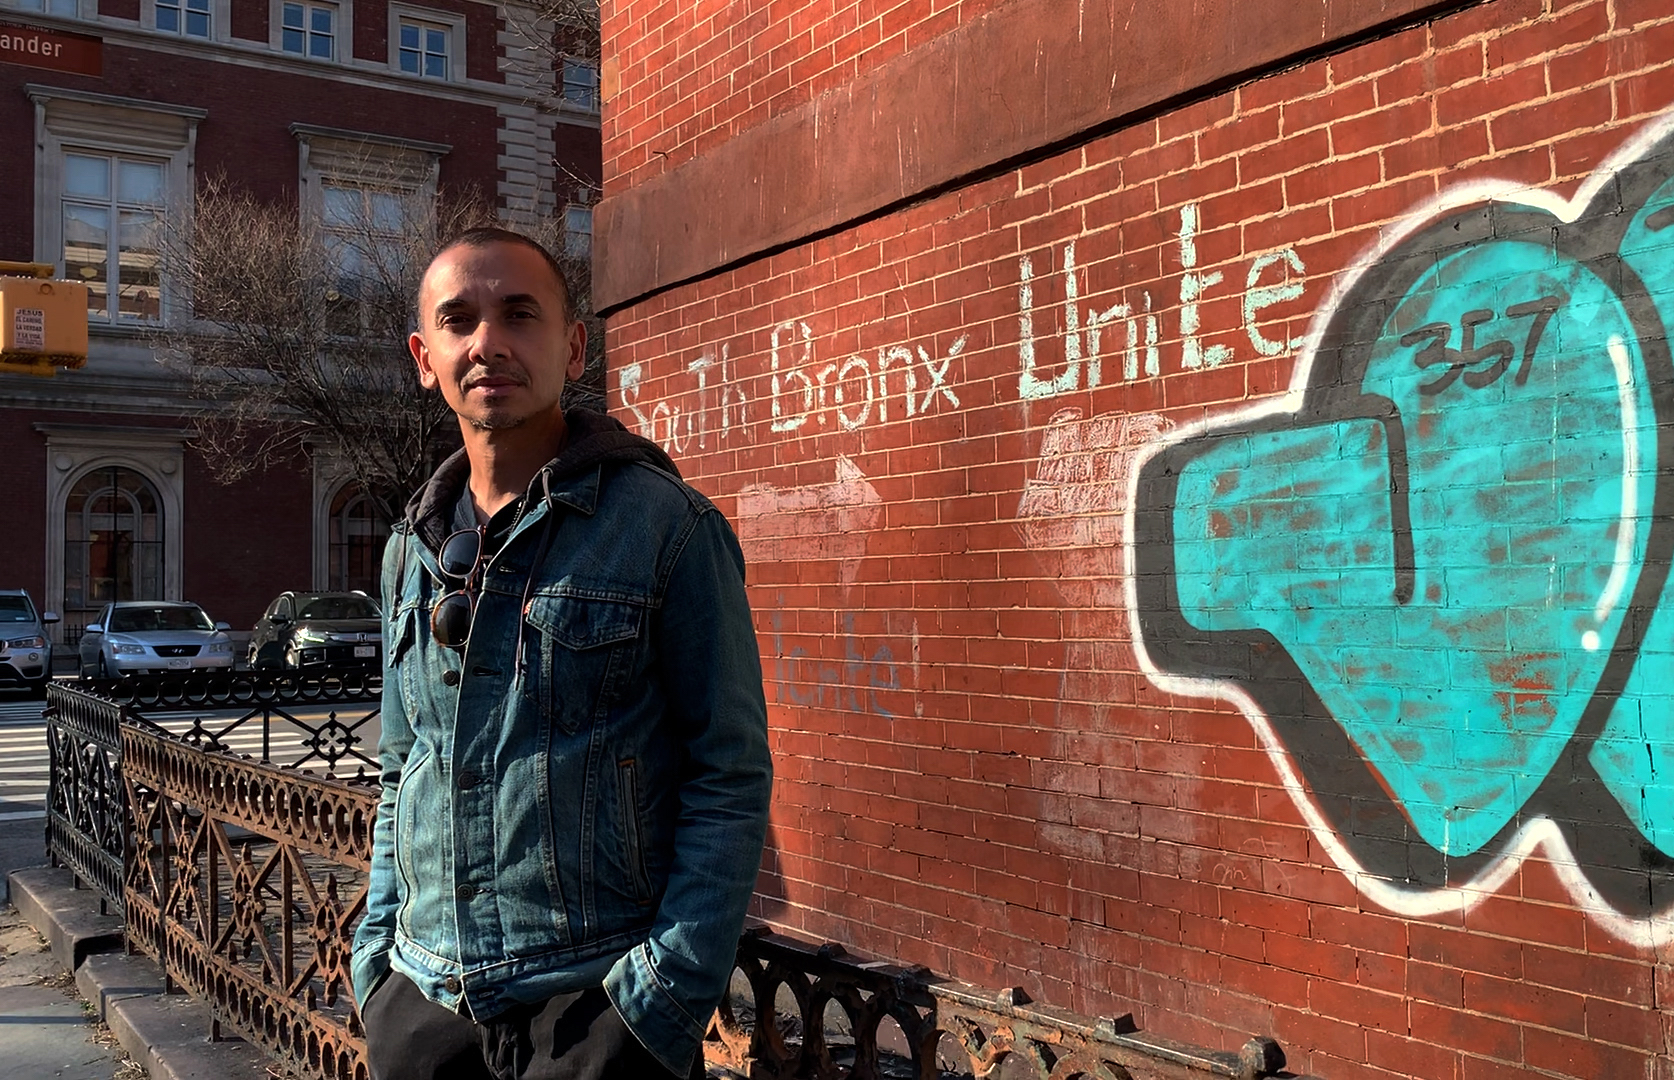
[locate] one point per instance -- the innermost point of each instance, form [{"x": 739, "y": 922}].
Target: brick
[
  {"x": 1385, "y": 127},
  {"x": 1301, "y": 1031},
  {"x": 1522, "y": 1001},
  {"x": 1579, "y": 111},
  {"x": 1471, "y": 1033},
  {"x": 1288, "y": 85},
  {"x": 1335, "y": 177},
  {"x": 1356, "y": 1005},
  {"x": 1419, "y": 1056},
  {"x": 1578, "y": 67},
  {"x": 1567, "y": 1055},
  {"x": 1299, "y": 116},
  {"x": 1488, "y": 19},
  {"x": 1507, "y": 90},
  {"x": 1380, "y": 54},
  {"x": 1583, "y": 22}
]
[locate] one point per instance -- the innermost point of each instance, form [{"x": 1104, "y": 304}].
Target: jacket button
[
  {"x": 468, "y": 780},
  {"x": 465, "y": 892},
  {"x": 451, "y": 984},
  {"x": 450, "y": 677}
]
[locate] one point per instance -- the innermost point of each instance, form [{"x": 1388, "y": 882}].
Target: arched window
[
  {"x": 355, "y": 548},
  {"x": 113, "y": 543}
]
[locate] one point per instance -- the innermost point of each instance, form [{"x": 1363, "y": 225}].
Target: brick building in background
[
  {"x": 1205, "y": 472},
  {"x": 131, "y": 104}
]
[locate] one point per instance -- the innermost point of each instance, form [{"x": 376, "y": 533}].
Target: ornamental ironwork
[
  {"x": 244, "y": 882},
  {"x": 236, "y": 689},
  {"x": 798, "y": 1011},
  {"x": 87, "y": 817}
]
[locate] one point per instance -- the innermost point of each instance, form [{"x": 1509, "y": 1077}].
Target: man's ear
[
  {"x": 578, "y": 349},
  {"x": 421, "y": 357}
]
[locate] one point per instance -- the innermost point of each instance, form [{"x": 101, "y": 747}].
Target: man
[{"x": 574, "y": 753}]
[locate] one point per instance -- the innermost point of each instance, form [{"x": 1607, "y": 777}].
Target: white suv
[{"x": 25, "y": 649}]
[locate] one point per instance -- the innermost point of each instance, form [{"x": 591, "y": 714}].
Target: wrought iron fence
[
  {"x": 261, "y": 715},
  {"x": 244, "y": 882},
  {"x": 87, "y": 819},
  {"x": 245, "y": 879},
  {"x": 811, "y": 1011}
]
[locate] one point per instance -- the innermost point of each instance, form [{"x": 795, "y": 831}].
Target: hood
[{"x": 593, "y": 439}]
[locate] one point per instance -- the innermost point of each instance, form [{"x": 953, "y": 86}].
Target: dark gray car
[{"x": 306, "y": 630}]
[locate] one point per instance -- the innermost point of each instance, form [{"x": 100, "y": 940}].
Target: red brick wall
[
  {"x": 694, "y": 75},
  {"x": 246, "y": 135},
  {"x": 1016, "y": 743},
  {"x": 232, "y": 570},
  {"x": 22, "y": 551},
  {"x": 482, "y": 43}
]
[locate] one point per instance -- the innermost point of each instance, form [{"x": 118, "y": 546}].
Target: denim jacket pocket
[
  {"x": 586, "y": 642},
  {"x": 406, "y": 829},
  {"x": 633, "y": 833}
]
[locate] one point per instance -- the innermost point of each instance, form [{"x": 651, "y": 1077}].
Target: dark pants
[{"x": 576, "y": 1036}]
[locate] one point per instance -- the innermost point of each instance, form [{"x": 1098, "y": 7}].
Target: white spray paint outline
[
  {"x": 1653, "y": 932},
  {"x": 1628, "y": 530}
]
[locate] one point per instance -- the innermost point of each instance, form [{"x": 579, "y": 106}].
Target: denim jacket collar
[{"x": 572, "y": 477}]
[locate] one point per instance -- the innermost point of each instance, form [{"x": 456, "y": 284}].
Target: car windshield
[
  {"x": 339, "y": 607},
  {"x": 16, "y": 609},
  {"x": 132, "y": 620}
]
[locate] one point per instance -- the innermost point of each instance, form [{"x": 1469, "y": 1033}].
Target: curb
[
  {"x": 66, "y": 916},
  {"x": 169, "y": 1034}
]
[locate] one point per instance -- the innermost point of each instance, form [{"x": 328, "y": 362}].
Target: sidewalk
[
  {"x": 45, "y": 1030},
  {"x": 165, "y": 1034}
]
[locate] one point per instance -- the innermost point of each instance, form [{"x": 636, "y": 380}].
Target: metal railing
[
  {"x": 777, "y": 1023},
  {"x": 244, "y": 880},
  {"x": 87, "y": 819}
]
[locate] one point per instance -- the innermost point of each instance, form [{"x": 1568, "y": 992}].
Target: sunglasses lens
[
  {"x": 459, "y": 553},
  {"x": 450, "y": 620}
]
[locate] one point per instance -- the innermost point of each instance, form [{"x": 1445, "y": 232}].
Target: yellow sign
[{"x": 43, "y": 324}]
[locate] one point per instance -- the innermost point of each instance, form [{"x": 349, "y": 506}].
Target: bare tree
[
  {"x": 297, "y": 336},
  {"x": 554, "y": 29}
]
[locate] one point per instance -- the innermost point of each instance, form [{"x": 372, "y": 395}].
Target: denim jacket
[{"x": 578, "y": 796}]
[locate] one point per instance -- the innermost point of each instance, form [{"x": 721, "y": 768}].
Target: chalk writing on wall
[
  {"x": 805, "y": 392},
  {"x": 1132, "y": 331},
  {"x": 1435, "y": 576},
  {"x": 809, "y": 526}
]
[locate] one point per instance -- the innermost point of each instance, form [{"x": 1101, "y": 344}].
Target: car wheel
[{"x": 104, "y": 672}]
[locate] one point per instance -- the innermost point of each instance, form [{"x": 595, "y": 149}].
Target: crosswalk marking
[{"x": 25, "y": 762}]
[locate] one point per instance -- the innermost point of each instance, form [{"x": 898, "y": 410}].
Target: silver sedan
[{"x": 136, "y": 636}]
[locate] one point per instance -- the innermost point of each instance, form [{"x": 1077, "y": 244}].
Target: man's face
[{"x": 495, "y": 335}]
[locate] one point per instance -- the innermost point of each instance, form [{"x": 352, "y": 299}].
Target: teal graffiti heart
[{"x": 1452, "y": 594}]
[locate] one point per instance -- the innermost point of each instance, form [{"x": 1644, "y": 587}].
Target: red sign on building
[{"x": 54, "y": 50}]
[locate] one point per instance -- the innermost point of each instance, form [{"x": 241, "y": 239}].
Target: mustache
[{"x": 507, "y": 374}]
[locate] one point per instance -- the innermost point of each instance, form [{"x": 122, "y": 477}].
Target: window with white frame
[
  {"x": 424, "y": 47},
  {"x": 308, "y": 29},
  {"x": 68, "y": 9},
  {"x": 581, "y": 84},
  {"x": 578, "y": 231},
  {"x": 109, "y": 173},
  {"x": 366, "y": 196},
  {"x": 190, "y": 18},
  {"x": 362, "y": 224},
  {"x": 111, "y": 205}
]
